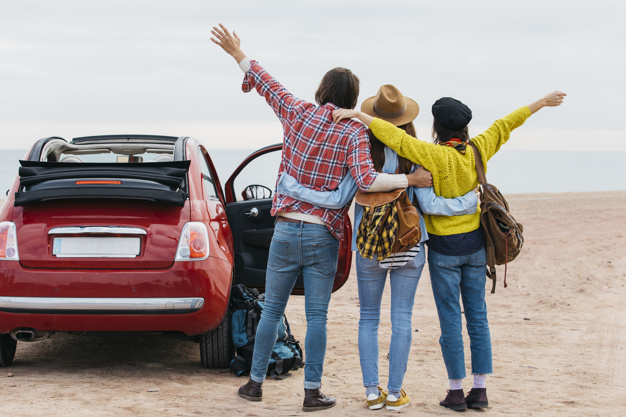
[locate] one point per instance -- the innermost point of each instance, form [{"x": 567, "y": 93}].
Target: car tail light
[
  {"x": 8, "y": 242},
  {"x": 194, "y": 243},
  {"x": 98, "y": 182}
]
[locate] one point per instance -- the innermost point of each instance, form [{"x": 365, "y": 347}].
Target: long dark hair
[
  {"x": 377, "y": 150},
  {"x": 443, "y": 134}
]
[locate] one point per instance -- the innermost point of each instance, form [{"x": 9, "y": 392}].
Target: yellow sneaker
[
  {"x": 376, "y": 402},
  {"x": 396, "y": 404}
]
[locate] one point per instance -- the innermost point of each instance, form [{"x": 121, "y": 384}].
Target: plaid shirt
[{"x": 316, "y": 151}]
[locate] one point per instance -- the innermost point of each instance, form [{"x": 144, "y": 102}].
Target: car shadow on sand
[{"x": 108, "y": 353}]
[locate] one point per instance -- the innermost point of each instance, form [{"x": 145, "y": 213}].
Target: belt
[{"x": 290, "y": 220}]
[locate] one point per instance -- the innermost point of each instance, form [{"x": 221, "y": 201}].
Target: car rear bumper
[
  {"x": 190, "y": 297},
  {"x": 66, "y": 305}
]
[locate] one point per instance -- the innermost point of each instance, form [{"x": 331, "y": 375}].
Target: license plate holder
[{"x": 96, "y": 247}]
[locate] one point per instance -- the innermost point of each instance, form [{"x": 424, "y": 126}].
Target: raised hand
[
  {"x": 231, "y": 44},
  {"x": 554, "y": 98}
]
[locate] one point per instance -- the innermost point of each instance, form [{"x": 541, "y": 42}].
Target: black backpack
[{"x": 246, "y": 308}]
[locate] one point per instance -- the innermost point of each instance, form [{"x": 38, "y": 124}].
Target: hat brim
[{"x": 411, "y": 112}]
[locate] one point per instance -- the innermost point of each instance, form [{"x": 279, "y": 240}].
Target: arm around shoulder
[
  {"x": 289, "y": 186},
  {"x": 432, "y": 204}
]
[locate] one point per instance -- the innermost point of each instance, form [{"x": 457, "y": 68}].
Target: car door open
[{"x": 249, "y": 193}]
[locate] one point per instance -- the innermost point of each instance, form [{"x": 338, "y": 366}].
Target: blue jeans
[
  {"x": 464, "y": 276},
  {"x": 371, "y": 280},
  {"x": 297, "y": 248}
]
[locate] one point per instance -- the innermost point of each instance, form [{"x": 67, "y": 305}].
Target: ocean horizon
[{"x": 513, "y": 172}]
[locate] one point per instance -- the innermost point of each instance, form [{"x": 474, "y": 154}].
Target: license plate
[{"x": 96, "y": 247}]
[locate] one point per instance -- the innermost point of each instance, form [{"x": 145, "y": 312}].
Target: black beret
[{"x": 451, "y": 113}]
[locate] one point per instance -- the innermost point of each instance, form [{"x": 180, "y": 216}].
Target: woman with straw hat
[
  {"x": 404, "y": 269},
  {"x": 456, "y": 247}
]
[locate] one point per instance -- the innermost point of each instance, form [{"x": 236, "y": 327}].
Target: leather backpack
[
  {"x": 503, "y": 234},
  {"x": 390, "y": 223}
]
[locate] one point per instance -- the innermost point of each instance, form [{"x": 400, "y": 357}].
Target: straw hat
[{"x": 389, "y": 104}]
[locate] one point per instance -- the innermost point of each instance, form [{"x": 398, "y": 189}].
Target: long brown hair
[{"x": 377, "y": 150}]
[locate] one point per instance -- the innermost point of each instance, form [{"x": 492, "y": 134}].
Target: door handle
[{"x": 254, "y": 212}]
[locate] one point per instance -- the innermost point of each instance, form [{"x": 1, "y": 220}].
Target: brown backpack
[
  {"x": 503, "y": 234},
  {"x": 390, "y": 223}
]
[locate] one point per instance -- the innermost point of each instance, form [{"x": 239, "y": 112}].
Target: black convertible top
[{"x": 163, "y": 182}]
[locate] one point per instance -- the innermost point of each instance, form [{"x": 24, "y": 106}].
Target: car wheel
[
  {"x": 7, "y": 349},
  {"x": 216, "y": 347}
]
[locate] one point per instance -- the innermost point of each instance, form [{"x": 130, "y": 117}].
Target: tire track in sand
[{"x": 614, "y": 344}]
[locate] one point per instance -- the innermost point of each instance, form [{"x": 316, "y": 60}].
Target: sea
[{"x": 513, "y": 172}]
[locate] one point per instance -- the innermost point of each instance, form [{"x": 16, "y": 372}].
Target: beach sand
[{"x": 558, "y": 331}]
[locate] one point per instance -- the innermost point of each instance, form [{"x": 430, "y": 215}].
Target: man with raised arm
[{"x": 318, "y": 153}]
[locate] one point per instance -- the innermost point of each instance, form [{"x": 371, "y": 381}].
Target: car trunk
[
  {"x": 94, "y": 215},
  {"x": 162, "y": 182},
  {"x": 98, "y": 234}
]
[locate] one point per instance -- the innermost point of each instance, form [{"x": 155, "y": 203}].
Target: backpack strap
[
  {"x": 480, "y": 169},
  {"x": 489, "y": 247},
  {"x": 278, "y": 368},
  {"x": 297, "y": 356},
  {"x": 252, "y": 321}
]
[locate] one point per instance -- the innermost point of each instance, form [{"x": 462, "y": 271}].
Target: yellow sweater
[{"x": 454, "y": 173}]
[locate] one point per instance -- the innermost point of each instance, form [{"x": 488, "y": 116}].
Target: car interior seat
[
  {"x": 163, "y": 158},
  {"x": 72, "y": 158}
]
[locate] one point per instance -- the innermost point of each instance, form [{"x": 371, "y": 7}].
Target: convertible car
[{"x": 134, "y": 233}]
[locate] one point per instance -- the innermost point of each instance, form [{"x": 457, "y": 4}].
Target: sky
[{"x": 74, "y": 68}]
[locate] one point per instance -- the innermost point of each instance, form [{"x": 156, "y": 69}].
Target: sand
[{"x": 558, "y": 330}]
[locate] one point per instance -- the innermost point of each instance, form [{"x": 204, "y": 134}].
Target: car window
[
  {"x": 257, "y": 180},
  {"x": 208, "y": 184}
]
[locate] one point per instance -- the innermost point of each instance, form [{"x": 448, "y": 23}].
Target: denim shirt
[{"x": 429, "y": 202}]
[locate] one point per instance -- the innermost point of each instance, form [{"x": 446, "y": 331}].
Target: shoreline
[
  {"x": 562, "y": 194},
  {"x": 568, "y": 194}
]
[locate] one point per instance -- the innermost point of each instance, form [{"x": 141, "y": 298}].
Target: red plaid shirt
[{"x": 316, "y": 151}]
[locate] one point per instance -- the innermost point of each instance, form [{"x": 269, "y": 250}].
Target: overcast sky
[{"x": 74, "y": 68}]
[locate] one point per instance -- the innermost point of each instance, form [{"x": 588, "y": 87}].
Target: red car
[{"x": 134, "y": 233}]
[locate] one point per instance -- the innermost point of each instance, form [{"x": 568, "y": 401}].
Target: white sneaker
[
  {"x": 376, "y": 402},
  {"x": 396, "y": 404}
]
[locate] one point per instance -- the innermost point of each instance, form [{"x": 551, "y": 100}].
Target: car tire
[
  {"x": 216, "y": 347},
  {"x": 7, "y": 349}
]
